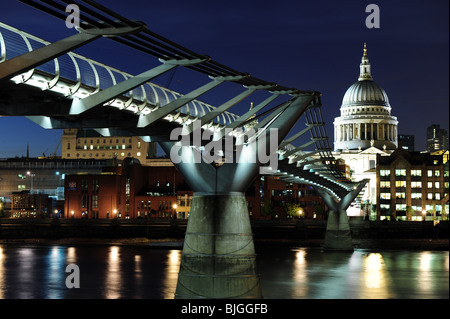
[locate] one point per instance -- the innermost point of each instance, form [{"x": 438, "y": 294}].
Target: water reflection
[
  {"x": 140, "y": 272},
  {"x": 2, "y": 273},
  {"x": 26, "y": 271},
  {"x": 376, "y": 279},
  {"x": 171, "y": 276},
  {"x": 300, "y": 274},
  {"x": 54, "y": 277},
  {"x": 113, "y": 283}
]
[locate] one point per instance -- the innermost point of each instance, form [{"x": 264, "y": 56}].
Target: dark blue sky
[{"x": 309, "y": 45}]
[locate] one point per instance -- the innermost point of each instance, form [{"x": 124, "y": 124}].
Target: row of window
[
  {"x": 414, "y": 172},
  {"x": 85, "y": 201},
  {"x": 104, "y": 141},
  {"x": 401, "y": 195},
  {"x": 111, "y": 147},
  {"x": 115, "y": 154},
  {"x": 403, "y": 207},
  {"x": 414, "y": 184}
]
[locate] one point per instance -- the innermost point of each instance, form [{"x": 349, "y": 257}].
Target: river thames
[{"x": 35, "y": 271}]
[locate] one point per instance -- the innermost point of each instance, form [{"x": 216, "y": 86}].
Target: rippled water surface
[{"x": 107, "y": 272}]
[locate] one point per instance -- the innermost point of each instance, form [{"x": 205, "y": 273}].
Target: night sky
[{"x": 308, "y": 45}]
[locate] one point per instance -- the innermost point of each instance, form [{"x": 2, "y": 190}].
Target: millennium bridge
[{"x": 219, "y": 152}]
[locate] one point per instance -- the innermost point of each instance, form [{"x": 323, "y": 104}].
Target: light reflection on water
[{"x": 38, "y": 271}]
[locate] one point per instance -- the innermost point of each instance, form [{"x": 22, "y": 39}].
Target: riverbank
[{"x": 174, "y": 243}]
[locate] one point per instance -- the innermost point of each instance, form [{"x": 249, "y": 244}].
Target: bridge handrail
[{"x": 150, "y": 95}]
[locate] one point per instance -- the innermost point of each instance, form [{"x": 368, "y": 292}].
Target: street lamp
[
  {"x": 114, "y": 213},
  {"x": 175, "y": 208},
  {"x": 424, "y": 214},
  {"x": 31, "y": 175},
  {"x": 72, "y": 212}
]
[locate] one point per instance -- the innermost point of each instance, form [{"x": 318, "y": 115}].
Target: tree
[
  {"x": 409, "y": 212},
  {"x": 319, "y": 210},
  {"x": 268, "y": 209},
  {"x": 294, "y": 210}
]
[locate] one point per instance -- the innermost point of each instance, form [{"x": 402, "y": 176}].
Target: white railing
[{"x": 75, "y": 75}]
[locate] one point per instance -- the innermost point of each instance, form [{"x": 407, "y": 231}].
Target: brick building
[{"x": 158, "y": 190}]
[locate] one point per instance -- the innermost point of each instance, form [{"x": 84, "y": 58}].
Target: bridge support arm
[{"x": 145, "y": 120}]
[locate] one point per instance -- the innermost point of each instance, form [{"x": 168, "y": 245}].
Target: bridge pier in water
[
  {"x": 218, "y": 258},
  {"x": 338, "y": 234}
]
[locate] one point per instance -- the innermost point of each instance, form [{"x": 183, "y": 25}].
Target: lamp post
[
  {"x": 424, "y": 215},
  {"x": 31, "y": 186},
  {"x": 175, "y": 208}
]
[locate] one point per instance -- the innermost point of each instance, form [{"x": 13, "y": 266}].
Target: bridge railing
[{"x": 75, "y": 75}]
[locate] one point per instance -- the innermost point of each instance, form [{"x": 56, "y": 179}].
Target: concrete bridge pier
[
  {"x": 338, "y": 234},
  {"x": 218, "y": 259}
]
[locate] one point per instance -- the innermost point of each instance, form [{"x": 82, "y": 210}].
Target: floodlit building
[
  {"x": 412, "y": 186},
  {"x": 89, "y": 144},
  {"x": 366, "y": 119},
  {"x": 364, "y": 131}
]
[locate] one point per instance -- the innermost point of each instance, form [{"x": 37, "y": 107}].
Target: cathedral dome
[
  {"x": 365, "y": 119},
  {"x": 365, "y": 93}
]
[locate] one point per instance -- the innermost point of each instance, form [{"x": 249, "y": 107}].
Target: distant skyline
[{"x": 302, "y": 44}]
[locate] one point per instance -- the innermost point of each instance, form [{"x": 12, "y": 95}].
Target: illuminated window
[
  {"x": 138, "y": 154},
  {"x": 400, "y": 195},
  {"x": 430, "y": 196},
  {"x": 416, "y": 172},
  {"x": 430, "y": 173},
  {"x": 416, "y": 184},
  {"x": 437, "y": 196},
  {"x": 401, "y": 207},
  {"x": 437, "y": 173},
  {"x": 430, "y": 184},
  {"x": 400, "y": 183},
  {"x": 437, "y": 185},
  {"x": 385, "y": 195},
  {"x": 384, "y": 184},
  {"x": 400, "y": 172},
  {"x": 416, "y": 195},
  {"x": 94, "y": 201},
  {"x": 385, "y": 172},
  {"x": 123, "y": 146}
]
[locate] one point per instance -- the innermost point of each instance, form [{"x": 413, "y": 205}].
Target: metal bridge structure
[{"x": 56, "y": 88}]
